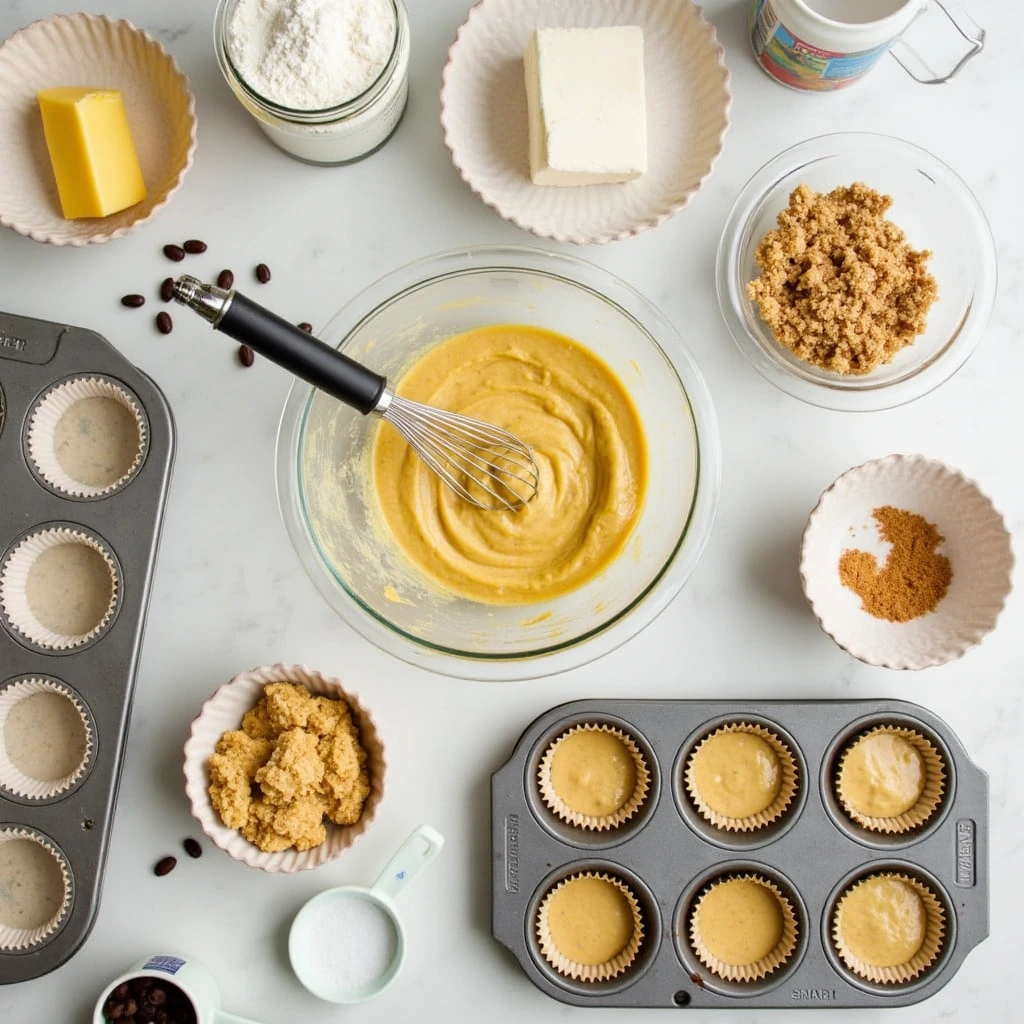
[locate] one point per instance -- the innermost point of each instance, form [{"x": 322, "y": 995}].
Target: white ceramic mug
[
  {"x": 821, "y": 45},
  {"x": 190, "y": 976}
]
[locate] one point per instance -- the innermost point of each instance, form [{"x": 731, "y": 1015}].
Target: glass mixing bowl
[
  {"x": 329, "y": 508},
  {"x": 936, "y": 211}
]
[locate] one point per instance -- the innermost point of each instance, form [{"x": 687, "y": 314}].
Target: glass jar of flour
[{"x": 326, "y": 80}]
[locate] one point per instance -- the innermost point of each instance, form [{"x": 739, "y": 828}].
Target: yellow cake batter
[
  {"x": 588, "y": 445},
  {"x": 882, "y": 922},
  {"x": 590, "y": 920},
  {"x": 45, "y": 736},
  {"x": 593, "y": 772},
  {"x": 739, "y": 921},
  {"x": 736, "y": 774},
  {"x": 96, "y": 441},
  {"x": 31, "y": 884},
  {"x": 69, "y": 588},
  {"x": 882, "y": 775}
]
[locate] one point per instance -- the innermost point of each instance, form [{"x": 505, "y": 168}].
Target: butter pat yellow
[
  {"x": 91, "y": 150},
  {"x": 585, "y": 103}
]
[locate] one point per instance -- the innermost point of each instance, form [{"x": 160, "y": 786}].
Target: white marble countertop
[{"x": 229, "y": 592}]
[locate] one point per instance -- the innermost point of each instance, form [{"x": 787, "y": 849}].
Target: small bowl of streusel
[{"x": 856, "y": 271}]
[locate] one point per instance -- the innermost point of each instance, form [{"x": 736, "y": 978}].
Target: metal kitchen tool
[
  {"x": 98, "y": 675},
  {"x": 667, "y": 853},
  {"x": 483, "y": 464}
]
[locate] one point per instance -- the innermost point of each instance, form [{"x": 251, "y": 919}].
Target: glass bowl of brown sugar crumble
[{"x": 856, "y": 271}]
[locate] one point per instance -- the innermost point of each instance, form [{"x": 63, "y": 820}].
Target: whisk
[{"x": 483, "y": 464}]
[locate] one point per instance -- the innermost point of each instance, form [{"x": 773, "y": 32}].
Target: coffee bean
[
  {"x": 262, "y": 273},
  {"x": 192, "y": 847},
  {"x": 246, "y": 356},
  {"x": 164, "y": 323},
  {"x": 133, "y": 301},
  {"x": 174, "y": 252},
  {"x": 121, "y": 992},
  {"x": 165, "y": 866},
  {"x": 306, "y": 326},
  {"x": 225, "y": 279},
  {"x": 167, "y": 289},
  {"x": 158, "y": 997},
  {"x": 194, "y": 246}
]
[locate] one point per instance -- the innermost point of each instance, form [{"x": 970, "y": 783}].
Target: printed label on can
[
  {"x": 797, "y": 63},
  {"x": 167, "y": 964}
]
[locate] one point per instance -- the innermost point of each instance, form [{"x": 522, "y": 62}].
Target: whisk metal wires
[{"x": 481, "y": 463}]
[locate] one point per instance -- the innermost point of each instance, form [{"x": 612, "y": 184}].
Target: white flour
[{"x": 311, "y": 54}]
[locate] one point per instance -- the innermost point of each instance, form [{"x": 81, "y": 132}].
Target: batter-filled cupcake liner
[
  {"x": 763, "y": 965},
  {"x": 611, "y": 968},
  {"x": 15, "y": 937},
  {"x": 12, "y": 777},
  {"x": 779, "y": 805},
  {"x": 932, "y": 791},
  {"x": 591, "y": 822},
  {"x": 42, "y": 442},
  {"x": 926, "y": 955},
  {"x": 14, "y": 578}
]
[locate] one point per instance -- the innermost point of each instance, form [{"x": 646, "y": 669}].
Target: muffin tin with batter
[
  {"x": 680, "y": 862},
  {"x": 86, "y": 448}
]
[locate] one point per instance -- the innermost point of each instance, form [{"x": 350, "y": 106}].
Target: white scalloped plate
[
  {"x": 94, "y": 51},
  {"x": 223, "y": 712},
  {"x": 483, "y": 114},
  {"x": 977, "y": 544}
]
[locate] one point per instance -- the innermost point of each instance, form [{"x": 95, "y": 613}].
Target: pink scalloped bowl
[
  {"x": 223, "y": 712},
  {"x": 97, "y": 52},
  {"x": 976, "y": 542},
  {"x": 483, "y": 114}
]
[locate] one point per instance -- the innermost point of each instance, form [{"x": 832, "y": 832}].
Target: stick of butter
[
  {"x": 585, "y": 103},
  {"x": 91, "y": 150}
]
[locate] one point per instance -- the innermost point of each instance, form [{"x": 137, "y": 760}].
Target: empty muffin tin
[
  {"x": 667, "y": 853},
  {"x": 45, "y": 368}
]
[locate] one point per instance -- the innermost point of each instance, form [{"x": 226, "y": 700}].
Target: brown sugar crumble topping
[{"x": 839, "y": 285}]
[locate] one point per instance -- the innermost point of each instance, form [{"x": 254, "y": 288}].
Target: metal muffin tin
[
  {"x": 35, "y": 355},
  {"x": 667, "y": 853}
]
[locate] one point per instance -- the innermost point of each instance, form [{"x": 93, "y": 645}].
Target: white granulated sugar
[
  {"x": 347, "y": 942},
  {"x": 311, "y": 54}
]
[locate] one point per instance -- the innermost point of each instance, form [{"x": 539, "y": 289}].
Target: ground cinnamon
[{"x": 914, "y": 578}]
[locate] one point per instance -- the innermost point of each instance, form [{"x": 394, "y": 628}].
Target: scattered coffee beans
[
  {"x": 306, "y": 326},
  {"x": 246, "y": 356},
  {"x": 174, "y": 252},
  {"x": 133, "y": 301},
  {"x": 225, "y": 279},
  {"x": 192, "y": 847},
  {"x": 262, "y": 273},
  {"x": 165, "y": 866},
  {"x": 164, "y": 323},
  {"x": 167, "y": 289},
  {"x": 194, "y": 246},
  {"x": 148, "y": 1000}
]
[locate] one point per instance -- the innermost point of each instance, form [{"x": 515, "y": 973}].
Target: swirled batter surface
[{"x": 588, "y": 445}]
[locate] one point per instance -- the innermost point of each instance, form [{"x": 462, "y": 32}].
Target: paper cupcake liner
[
  {"x": 612, "y": 968},
  {"x": 589, "y": 821},
  {"x": 14, "y": 575},
  {"x": 12, "y": 778},
  {"x": 931, "y": 793},
  {"x": 222, "y": 713},
  {"x": 16, "y": 939},
  {"x": 782, "y": 801},
  {"x": 931, "y": 947},
  {"x": 761, "y": 967},
  {"x": 42, "y": 426}
]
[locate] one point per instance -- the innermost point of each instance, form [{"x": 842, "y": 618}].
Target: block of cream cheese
[
  {"x": 91, "y": 150},
  {"x": 586, "y": 106}
]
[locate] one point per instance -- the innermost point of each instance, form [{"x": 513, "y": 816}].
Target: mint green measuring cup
[{"x": 346, "y": 944}]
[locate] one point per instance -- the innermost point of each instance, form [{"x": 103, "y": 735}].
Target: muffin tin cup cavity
[
  {"x": 573, "y": 920},
  {"x": 879, "y": 913},
  {"x": 741, "y": 777},
  {"x": 46, "y": 738},
  {"x": 87, "y": 437},
  {"x": 594, "y": 776},
  {"x": 59, "y": 588},
  {"x": 35, "y": 889},
  {"x": 742, "y": 927}
]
